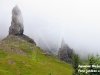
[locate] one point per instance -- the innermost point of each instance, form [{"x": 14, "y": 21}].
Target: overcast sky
[{"x": 50, "y": 21}]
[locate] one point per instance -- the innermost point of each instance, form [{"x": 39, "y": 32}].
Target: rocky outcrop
[
  {"x": 17, "y": 28},
  {"x": 65, "y": 53},
  {"x": 27, "y": 38}
]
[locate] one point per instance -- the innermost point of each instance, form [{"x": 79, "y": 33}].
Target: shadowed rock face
[{"x": 16, "y": 27}]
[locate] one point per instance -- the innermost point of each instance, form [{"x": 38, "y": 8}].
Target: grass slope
[{"x": 18, "y": 57}]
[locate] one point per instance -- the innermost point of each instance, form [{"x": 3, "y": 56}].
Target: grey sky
[{"x": 48, "y": 21}]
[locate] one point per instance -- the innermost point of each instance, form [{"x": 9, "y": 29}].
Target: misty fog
[{"x": 50, "y": 21}]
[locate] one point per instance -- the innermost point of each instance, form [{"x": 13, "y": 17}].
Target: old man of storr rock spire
[{"x": 16, "y": 27}]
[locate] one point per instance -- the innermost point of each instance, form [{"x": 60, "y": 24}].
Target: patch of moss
[{"x": 2, "y": 54}]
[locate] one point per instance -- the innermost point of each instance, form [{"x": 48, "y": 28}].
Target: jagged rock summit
[
  {"x": 17, "y": 27},
  {"x": 65, "y": 53}
]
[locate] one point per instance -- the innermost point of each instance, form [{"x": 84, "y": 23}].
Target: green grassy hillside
[{"x": 18, "y": 57}]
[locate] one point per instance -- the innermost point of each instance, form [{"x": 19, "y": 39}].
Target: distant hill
[{"x": 19, "y": 57}]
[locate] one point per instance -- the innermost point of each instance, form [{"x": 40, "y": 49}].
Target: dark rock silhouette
[
  {"x": 17, "y": 28},
  {"x": 65, "y": 53}
]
